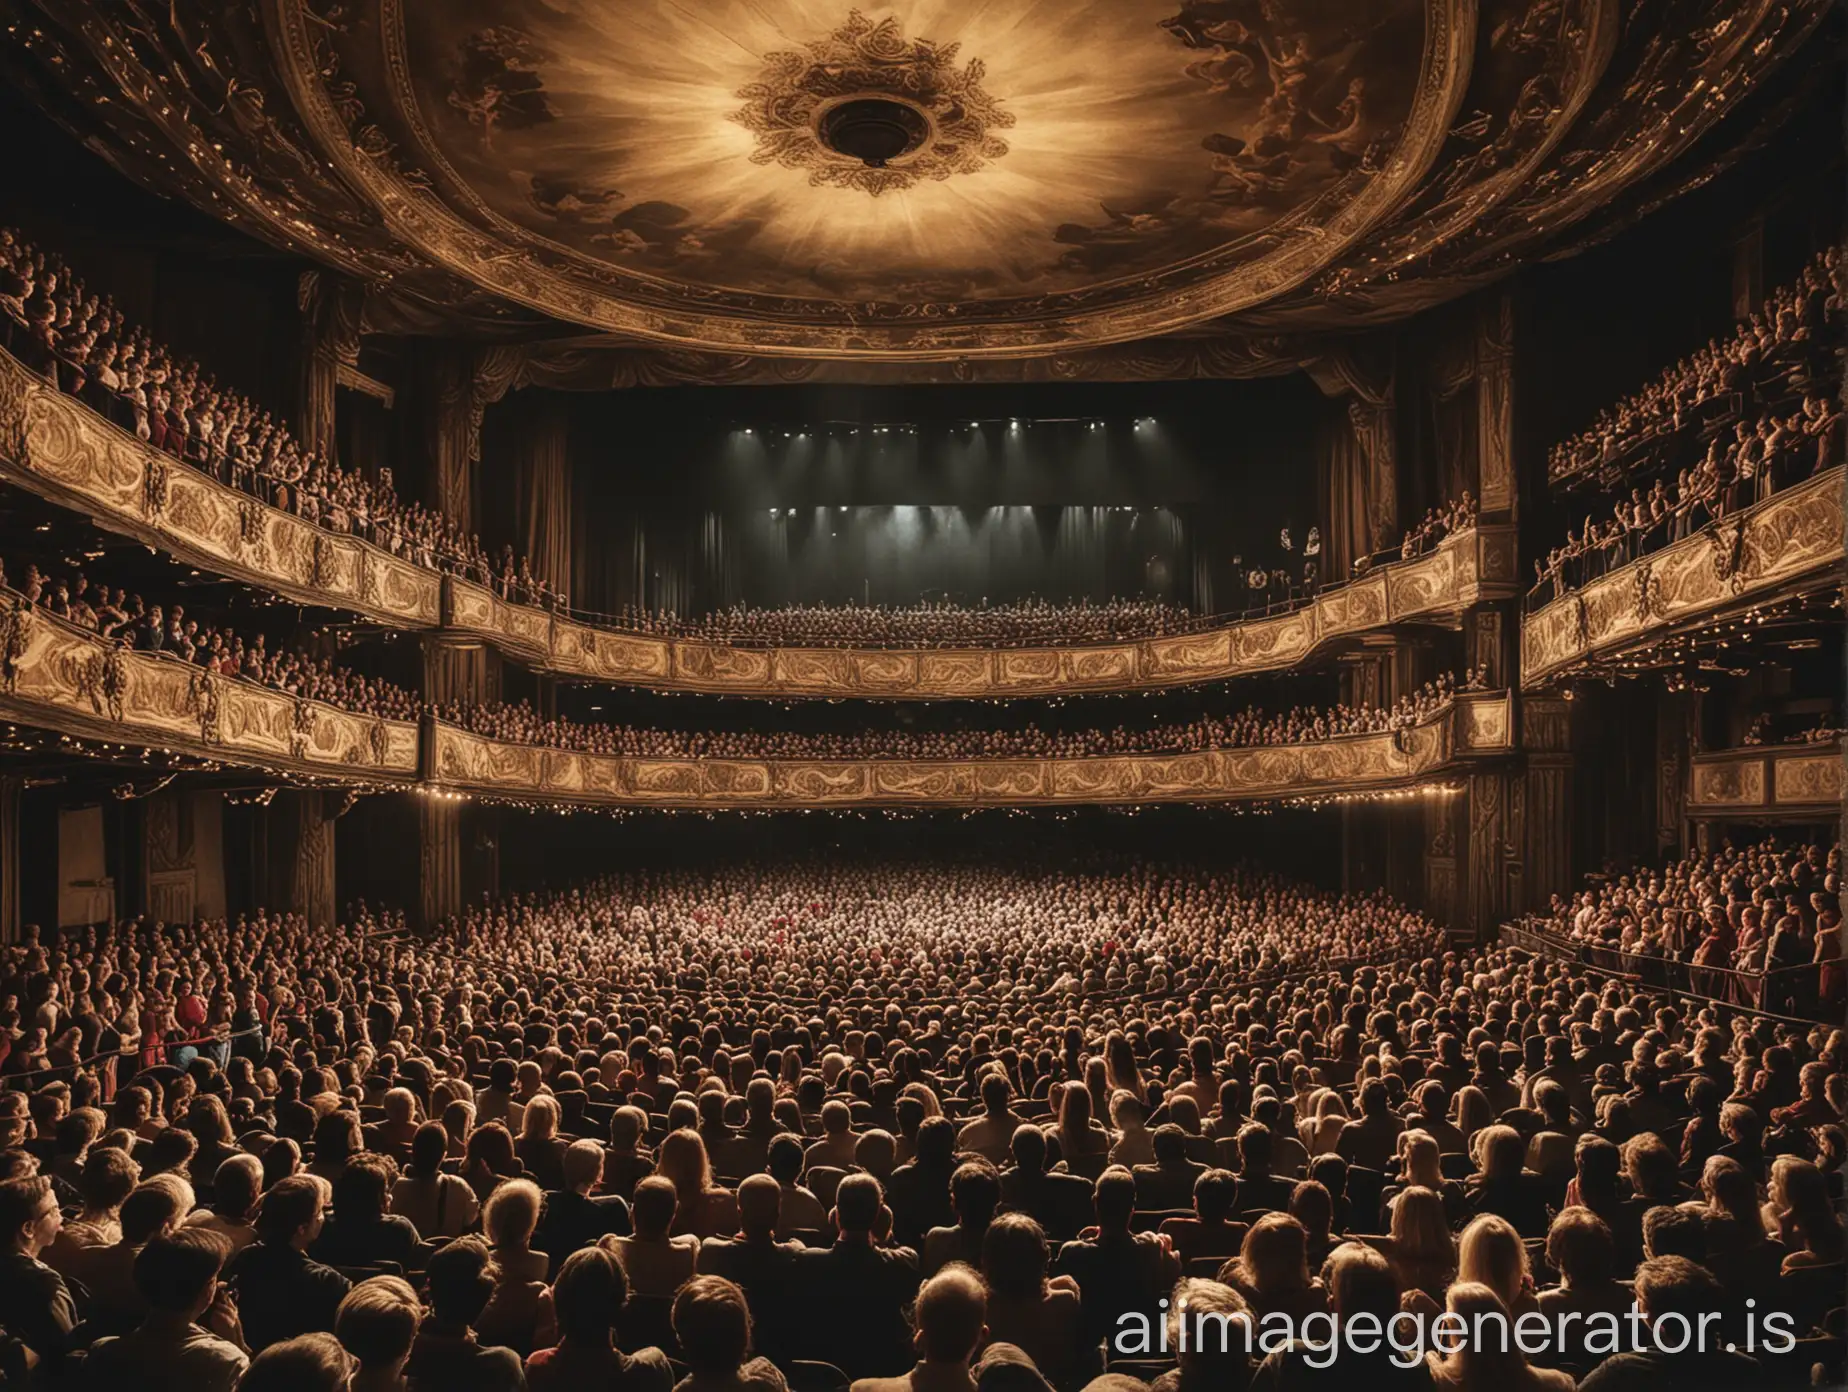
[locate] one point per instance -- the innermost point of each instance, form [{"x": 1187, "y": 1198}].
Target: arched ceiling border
[{"x": 921, "y": 335}]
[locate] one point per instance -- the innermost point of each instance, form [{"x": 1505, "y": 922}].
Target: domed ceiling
[{"x": 927, "y": 179}]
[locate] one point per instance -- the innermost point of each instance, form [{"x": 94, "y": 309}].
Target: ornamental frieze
[
  {"x": 1475, "y": 725},
  {"x": 1767, "y": 780},
  {"x": 1789, "y": 542}
]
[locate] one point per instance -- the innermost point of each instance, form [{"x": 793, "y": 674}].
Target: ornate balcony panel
[
  {"x": 56, "y": 676},
  {"x": 57, "y": 447},
  {"x": 1788, "y": 543},
  {"x": 1478, "y": 724},
  {"x": 1464, "y": 570},
  {"x": 1791, "y": 780}
]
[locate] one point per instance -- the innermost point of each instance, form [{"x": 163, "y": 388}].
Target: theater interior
[{"x": 701, "y": 693}]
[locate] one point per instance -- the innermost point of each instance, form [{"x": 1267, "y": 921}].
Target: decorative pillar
[
  {"x": 331, "y": 308},
  {"x": 1500, "y": 496},
  {"x": 1546, "y": 738},
  {"x": 1675, "y": 728},
  {"x": 464, "y": 672},
  {"x": 1490, "y": 638},
  {"x": 1484, "y": 892},
  {"x": 439, "y": 837}
]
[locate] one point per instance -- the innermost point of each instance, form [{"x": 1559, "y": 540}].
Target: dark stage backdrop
[{"x": 691, "y": 499}]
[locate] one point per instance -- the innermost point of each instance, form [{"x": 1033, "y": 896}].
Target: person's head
[
  {"x": 975, "y": 1193},
  {"x": 156, "y": 1206},
  {"x": 1422, "y": 1245},
  {"x": 713, "y": 1324},
  {"x": 377, "y": 1322},
  {"x": 237, "y": 1184},
  {"x": 1580, "y": 1248},
  {"x": 1673, "y": 1231},
  {"x": 177, "y": 1274},
  {"x": 681, "y": 1158},
  {"x": 429, "y": 1147},
  {"x": 1254, "y": 1148},
  {"x": 784, "y": 1159},
  {"x": 1214, "y": 1193},
  {"x": 1216, "y": 1348},
  {"x": 760, "y": 1202},
  {"x": 583, "y": 1165},
  {"x": 1114, "y": 1198},
  {"x": 859, "y": 1206},
  {"x": 459, "y": 1281},
  {"x": 1360, "y": 1281},
  {"x": 306, "y": 1363},
  {"x": 1500, "y": 1152},
  {"x": 1275, "y": 1255},
  {"x": 108, "y": 1177},
  {"x": 361, "y": 1191},
  {"x": 1491, "y": 1253},
  {"x": 1015, "y": 1256},
  {"x": 1676, "y": 1286},
  {"x": 1481, "y": 1355},
  {"x": 588, "y": 1296},
  {"x": 951, "y": 1315},
  {"x": 653, "y": 1206},
  {"x": 291, "y": 1212}
]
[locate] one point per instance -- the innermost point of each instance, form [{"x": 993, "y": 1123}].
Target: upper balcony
[{"x": 1787, "y": 545}]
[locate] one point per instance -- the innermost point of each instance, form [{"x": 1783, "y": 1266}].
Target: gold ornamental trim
[
  {"x": 1795, "y": 779},
  {"x": 64, "y": 678},
  {"x": 1474, "y": 725},
  {"x": 55, "y": 446},
  {"x": 1784, "y": 545},
  {"x": 1464, "y": 570}
]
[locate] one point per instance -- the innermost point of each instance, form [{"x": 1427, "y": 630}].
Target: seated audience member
[
  {"x": 864, "y": 1286},
  {"x": 1271, "y": 1271},
  {"x": 754, "y": 1261},
  {"x": 1117, "y": 1269},
  {"x": 1503, "y": 1186},
  {"x": 1674, "y": 1286},
  {"x": 800, "y": 1209},
  {"x": 305, "y": 1363},
  {"x": 107, "y": 1179},
  {"x": 587, "y": 1300},
  {"x": 1490, "y": 1253},
  {"x": 1486, "y": 1358},
  {"x": 1360, "y": 1285},
  {"x": 1168, "y": 1183},
  {"x": 1580, "y": 1248},
  {"x": 1042, "y": 1316},
  {"x": 1212, "y": 1335},
  {"x": 991, "y": 1135},
  {"x": 1372, "y": 1140},
  {"x": 1258, "y": 1189},
  {"x": 1210, "y": 1232},
  {"x": 574, "y": 1217},
  {"x": 1808, "y": 1222},
  {"x": 438, "y": 1204},
  {"x": 975, "y": 1194},
  {"x": 508, "y": 1221},
  {"x": 1420, "y": 1249},
  {"x": 629, "y": 1161},
  {"x": 157, "y": 1206},
  {"x": 712, "y": 1323},
  {"x": 359, "y": 1232},
  {"x": 280, "y": 1291},
  {"x": 447, "y": 1356},
  {"x": 1060, "y": 1203},
  {"x": 704, "y": 1209},
  {"x": 919, "y": 1194},
  {"x": 951, "y": 1325},
  {"x": 237, "y": 1189},
  {"x": 653, "y": 1261},
  {"x": 377, "y": 1324},
  {"x": 190, "y": 1338}
]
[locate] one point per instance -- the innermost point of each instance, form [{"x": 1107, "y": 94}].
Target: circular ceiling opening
[{"x": 873, "y": 130}]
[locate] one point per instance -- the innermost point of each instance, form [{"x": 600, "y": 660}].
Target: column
[
  {"x": 300, "y": 852},
  {"x": 1484, "y": 889},
  {"x": 1546, "y": 739},
  {"x": 455, "y": 670},
  {"x": 1500, "y": 496},
  {"x": 439, "y": 838},
  {"x": 331, "y": 309}
]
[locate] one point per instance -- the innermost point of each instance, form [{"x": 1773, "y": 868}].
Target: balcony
[
  {"x": 1789, "y": 544},
  {"x": 1463, "y": 570},
  {"x": 59, "y": 677},
  {"x": 1474, "y": 726},
  {"x": 1781, "y": 782}
]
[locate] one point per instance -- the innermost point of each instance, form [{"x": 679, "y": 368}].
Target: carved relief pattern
[
  {"x": 71, "y": 680},
  {"x": 64, "y": 451},
  {"x": 1797, "y": 778},
  {"x": 1435, "y": 586},
  {"x": 1789, "y": 538},
  {"x": 525, "y": 772}
]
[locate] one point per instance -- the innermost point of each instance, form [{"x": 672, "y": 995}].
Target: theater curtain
[
  {"x": 542, "y": 498},
  {"x": 1342, "y": 479},
  {"x": 1365, "y": 377}
]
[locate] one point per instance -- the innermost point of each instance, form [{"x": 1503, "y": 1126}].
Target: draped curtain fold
[
  {"x": 1365, "y": 376},
  {"x": 1343, "y": 483},
  {"x": 542, "y": 498}
]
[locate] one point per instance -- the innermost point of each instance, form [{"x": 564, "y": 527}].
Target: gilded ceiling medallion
[{"x": 865, "y": 108}]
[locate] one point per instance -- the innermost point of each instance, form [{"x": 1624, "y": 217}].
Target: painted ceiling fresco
[{"x": 1065, "y": 173}]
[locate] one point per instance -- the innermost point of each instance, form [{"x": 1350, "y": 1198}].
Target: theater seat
[{"x": 808, "y": 1375}]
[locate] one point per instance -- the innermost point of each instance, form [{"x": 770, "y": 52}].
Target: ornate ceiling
[{"x": 1061, "y": 174}]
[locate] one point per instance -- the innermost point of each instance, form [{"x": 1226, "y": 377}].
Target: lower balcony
[{"x": 1784, "y": 782}]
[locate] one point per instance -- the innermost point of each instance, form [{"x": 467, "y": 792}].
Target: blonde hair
[
  {"x": 511, "y": 1213},
  {"x": 681, "y": 1158},
  {"x": 539, "y": 1122},
  {"x": 1424, "y": 1255},
  {"x": 1490, "y": 1253},
  {"x": 1275, "y": 1256}
]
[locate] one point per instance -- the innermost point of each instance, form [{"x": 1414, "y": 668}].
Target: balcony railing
[
  {"x": 56, "y": 446},
  {"x": 56, "y": 676},
  {"x": 1461, "y": 571},
  {"x": 1766, "y": 552},
  {"x": 1768, "y": 781},
  {"x": 1474, "y": 725}
]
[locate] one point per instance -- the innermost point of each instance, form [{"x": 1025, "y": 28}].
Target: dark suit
[
  {"x": 766, "y": 1273},
  {"x": 854, "y": 1297},
  {"x": 572, "y": 1221}
]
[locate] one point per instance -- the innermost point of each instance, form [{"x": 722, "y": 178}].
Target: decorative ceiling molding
[{"x": 675, "y": 174}]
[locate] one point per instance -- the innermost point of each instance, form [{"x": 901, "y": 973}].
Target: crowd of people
[
  {"x": 1738, "y": 469},
  {"x": 914, "y": 1126},
  {"x": 1781, "y": 351},
  {"x": 1438, "y": 524},
  {"x": 168, "y": 630},
  {"x": 83, "y": 344},
  {"x": 520, "y": 722},
  {"x": 1743, "y": 910},
  {"x": 929, "y": 624}
]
